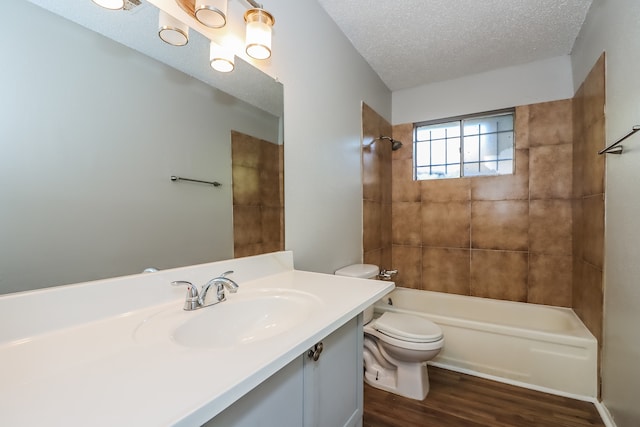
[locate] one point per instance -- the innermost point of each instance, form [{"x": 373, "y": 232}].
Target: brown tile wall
[
  {"x": 258, "y": 196},
  {"x": 588, "y": 199},
  {"x": 506, "y": 237},
  {"x": 376, "y": 162},
  {"x": 535, "y": 236}
]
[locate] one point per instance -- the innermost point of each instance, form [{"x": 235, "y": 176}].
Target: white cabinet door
[
  {"x": 333, "y": 389},
  {"x": 323, "y": 393},
  {"x": 277, "y": 402}
]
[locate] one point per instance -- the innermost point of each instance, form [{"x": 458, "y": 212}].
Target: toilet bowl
[{"x": 396, "y": 345}]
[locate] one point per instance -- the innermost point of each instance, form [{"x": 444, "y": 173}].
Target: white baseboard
[{"x": 605, "y": 414}]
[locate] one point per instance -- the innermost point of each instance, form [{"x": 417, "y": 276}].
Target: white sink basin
[{"x": 245, "y": 317}]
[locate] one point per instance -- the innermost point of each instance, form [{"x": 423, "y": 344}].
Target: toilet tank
[{"x": 361, "y": 271}]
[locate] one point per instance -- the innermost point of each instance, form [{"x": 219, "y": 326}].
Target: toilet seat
[
  {"x": 407, "y": 327},
  {"x": 424, "y": 335},
  {"x": 408, "y": 345}
]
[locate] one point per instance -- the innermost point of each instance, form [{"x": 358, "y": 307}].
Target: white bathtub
[{"x": 537, "y": 346}]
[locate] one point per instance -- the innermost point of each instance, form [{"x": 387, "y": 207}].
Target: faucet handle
[
  {"x": 226, "y": 273},
  {"x": 192, "y": 300},
  {"x": 192, "y": 290}
]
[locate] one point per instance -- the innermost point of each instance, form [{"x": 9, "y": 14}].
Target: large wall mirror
[{"x": 91, "y": 131}]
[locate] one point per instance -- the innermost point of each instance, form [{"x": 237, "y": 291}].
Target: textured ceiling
[{"x": 414, "y": 42}]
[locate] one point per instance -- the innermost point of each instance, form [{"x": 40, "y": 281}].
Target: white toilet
[{"x": 396, "y": 345}]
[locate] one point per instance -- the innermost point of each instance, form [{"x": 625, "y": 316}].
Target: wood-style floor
[{"x": 458, "y": 400}]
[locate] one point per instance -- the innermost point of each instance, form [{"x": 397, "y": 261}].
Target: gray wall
[
  {"x": 325, "y": 81},
  {"x": 612, "y": 27}
]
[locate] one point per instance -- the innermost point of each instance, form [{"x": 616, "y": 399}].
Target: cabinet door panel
[
  {"x": 333, "y": 384},
  {"x": 277, "y": 402}
]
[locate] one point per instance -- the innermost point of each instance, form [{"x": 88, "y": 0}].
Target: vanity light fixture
[
  {"x": 171, "y": 30},
  {"x": 211, "y": 13},
  {"x": 110, "y": 4},
  {"x": 258, "y": 32},
  {"x": 221, "y": 59}
]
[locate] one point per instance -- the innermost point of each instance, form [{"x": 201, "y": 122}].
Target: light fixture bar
[{"x": 130, "y": 4}]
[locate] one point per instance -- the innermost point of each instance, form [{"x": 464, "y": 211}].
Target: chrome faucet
[
  {"x": 196, "y": 300},
  {"x": 221, "y": 282},
  {"x": 387, "y": 274}
]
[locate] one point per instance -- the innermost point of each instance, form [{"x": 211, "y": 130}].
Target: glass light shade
[
  {"x": 258, "y": 35},
  {"x": 110, "y": 4},
  {"x": 171, "y": 30},
  {"x": 212, "y": 13},
  {"x": 220, "y": 58}
]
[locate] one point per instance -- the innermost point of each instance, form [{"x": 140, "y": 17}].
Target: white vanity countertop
[{"x": 72, "y": 368}]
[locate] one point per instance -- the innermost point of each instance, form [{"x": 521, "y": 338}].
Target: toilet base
[{"x": 408, "y": 379}]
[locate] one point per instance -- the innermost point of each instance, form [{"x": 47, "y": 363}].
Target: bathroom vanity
[
  {"x": 124, "y": 352},
  {"x": 308, "y": 392}
]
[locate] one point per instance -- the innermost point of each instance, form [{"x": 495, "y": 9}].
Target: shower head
[{"x": 395, "y": 144}]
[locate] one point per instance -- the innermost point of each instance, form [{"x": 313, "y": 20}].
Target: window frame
[{"x": 461, "y": 164}]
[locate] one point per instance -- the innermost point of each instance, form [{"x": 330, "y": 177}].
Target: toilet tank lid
[
  {"x": 408, "y": 327},
  {"x": 364, "y": 271}
]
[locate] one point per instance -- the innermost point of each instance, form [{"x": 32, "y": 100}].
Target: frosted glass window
[{"x": 475, "y": 145}]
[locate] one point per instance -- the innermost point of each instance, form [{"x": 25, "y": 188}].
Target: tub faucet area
[
  {"x": 387, "y": 274},
  {"x": 195, "y": 300}
]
